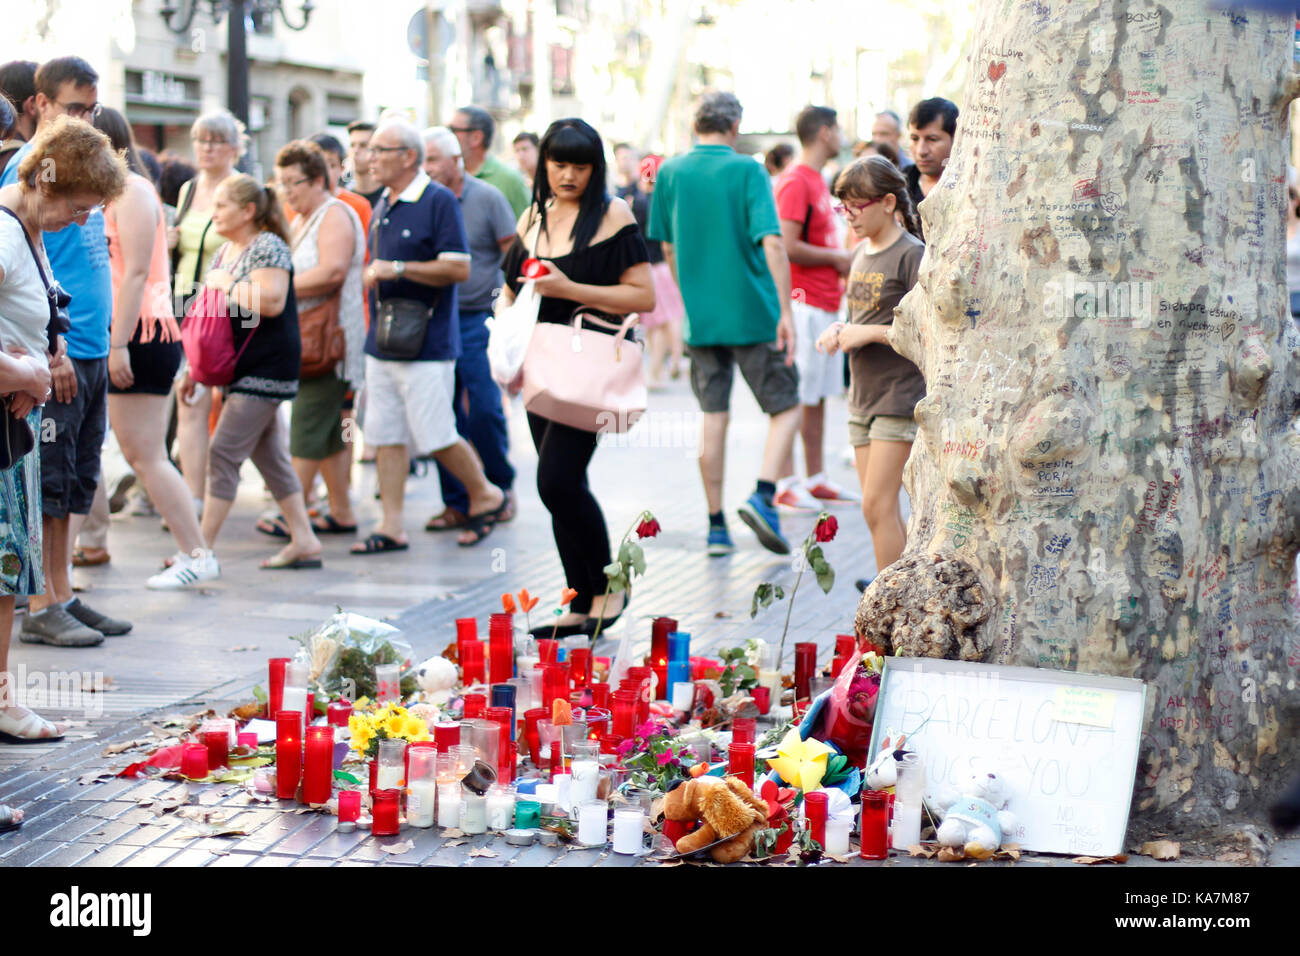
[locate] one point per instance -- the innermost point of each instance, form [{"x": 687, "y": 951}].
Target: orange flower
[
  {"x": 527, "y": 601},
  {"x": 567, "y": 595},
  {"x": 508, "y": 603},
  {"x": 561, "y": 713}
]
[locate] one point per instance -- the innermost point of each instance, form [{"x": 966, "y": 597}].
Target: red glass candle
[
  {"x": 504, "y": 717},
  {"x": 472, "y": 669},
  {"x": 466, "y": 629},
  {"x": 384, "y": 813},
  {"x": 762, "y": 698},
  {"x": 597, "y": 722},
  {"x": 349, "y": 806},
  {"x": 874, "y": 826},
  {"x": 555, "y": 684},
  {"x": 646, "y": 692},
  {"x": 547, "y": 650},
  {"x": 217, "y": 743},
  {"x": 338, "y": 712},
  {"x": 740, "y": 762},
  {"x": 609, "y": 743},
  {"x": 743, "y": 730},
  {"x": 248, "y": 740},
  {"x": 310, "y": 710},
  {"x": 501, "y": 648},
  {"x": 275, "y": 686},
  {"x": 660, "y": 628},
  {"x": 816, "y": 805},
  {"x": 600, "y": 695},
  {"x": 475, "y": 705},
  {"x": 580, "y": 666},
  {"x": 194, "y": 761},
  {"x": 506, "y": 772},
  {"x": 702, "y": 698},
  {"x": 446, "y": 735},
  {"x": 557, "y": 758},
  {"x": 374, "y": 776},
  {"x": 805, "y": 664},
  {"x": 844, "y": 644},
  {"x": 532, "y": 739},
  {"x": 624, "y": 713},
  {"x": 288, "y": 753},
  {"x": 318, "y": 765}
]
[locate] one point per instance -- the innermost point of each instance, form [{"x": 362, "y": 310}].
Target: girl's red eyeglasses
[{"x": 847, "y": 209}]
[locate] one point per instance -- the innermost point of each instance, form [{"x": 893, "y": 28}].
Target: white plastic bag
[{"x": 509, "y": 332}]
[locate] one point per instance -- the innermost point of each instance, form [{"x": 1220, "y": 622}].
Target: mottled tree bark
[{"x": 1107, "y": 476}]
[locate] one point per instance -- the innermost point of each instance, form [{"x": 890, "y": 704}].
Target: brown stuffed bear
[{"x": 728, "y": 809}]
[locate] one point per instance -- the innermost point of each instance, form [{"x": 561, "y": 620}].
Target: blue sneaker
[
  {"x": 720, "y": 543},
  {"x": 762, "y": 519}
]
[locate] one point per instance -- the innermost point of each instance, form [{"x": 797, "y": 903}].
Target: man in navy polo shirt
[{"x": 418, "y": 251}]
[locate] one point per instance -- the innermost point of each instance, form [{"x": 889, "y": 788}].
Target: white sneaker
[
  {"x": 828, "y": 492},
  {"x": 795, "y": 497},
  {"x": 186, "y": 571}
]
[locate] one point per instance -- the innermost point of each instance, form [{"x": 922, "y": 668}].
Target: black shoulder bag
[
  {"x": 400, "y": 324},
  {"x": 16, "y": 438}
]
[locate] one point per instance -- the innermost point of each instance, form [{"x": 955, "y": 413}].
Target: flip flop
[
  {"x": 7, "y": 821},
  {"x": 481, "y": 525},
  {"x": 274, "y": 526},
  {"x": 377, "y": 544},
  {"x": 451, "y": 519},
  {"x": 331, "y": 526},
  {"x": 294, "y": 564}
]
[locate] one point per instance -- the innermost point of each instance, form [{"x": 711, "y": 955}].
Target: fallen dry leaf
[
  {"x": 451, "y": 833},
  {"x": 395, "y": 848},
  {"x": 951, "y": 854},
  {"x": 721, "y": 615},
  {"x": 454, "y": 842},
  {"x": 1089, "y": 860},
  {"x": 247, "y": 711},
  {"x": 241, "y": 647},
  {"x": 1008, "y": 851},
  {"x": 975, "y": 851},
  {"x": 917, "y": 849},
  {"x": 482, "y": 851},
  {"x": 126, "y": 745},
  {"x": 1160, "y": 850},
  {"x": 839, "y": 859},
  {"x": 1232, "y": 856},
  {"x": 95, "y": 776}
]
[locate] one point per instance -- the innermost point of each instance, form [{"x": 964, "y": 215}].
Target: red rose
[
  {"x": 648, "y": 528},
  {"x": 826, "y": 528}
]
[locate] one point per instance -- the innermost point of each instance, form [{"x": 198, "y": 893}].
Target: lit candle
[
  {"x": 473, "y": 812},
  {"x": 449, "y": 795},
  {"x": 500, "y": 808},
  {"x": 597, "y": 722},
  {"x": 844, "y": 644},
  {"x": 532, "y": 736},
  {"x": 629, "y": 824},
  {"x": 580, "y": 666},
  {"x": 194, "y": 761},
  {"x": 288, "y": 753},
  {"x": 660, "y": 629},
  {"x": 384, "y": 813},
  {"x": 318, "y": 765},
  {"x": 624, "y": 713},
  {"x": 593, "y": 822},
  {"x": 349, "y": 810},
  {"x": 338, "y": 712}
]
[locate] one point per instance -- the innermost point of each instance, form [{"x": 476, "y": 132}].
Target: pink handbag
[{"x": 585, "y": 379}]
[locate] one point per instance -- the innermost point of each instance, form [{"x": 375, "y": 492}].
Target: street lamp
[{"x": 237, "y": 53}]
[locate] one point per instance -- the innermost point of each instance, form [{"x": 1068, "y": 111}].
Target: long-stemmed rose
[
  {"x": 630, "y": 560},
  {"x": 810, "y": 555}
]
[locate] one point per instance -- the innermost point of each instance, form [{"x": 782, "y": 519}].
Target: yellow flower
[
  {"x": 413, "y": 728},
  {"x": 394, "y": 725},
  {"x": 357, "y": 723},
  {"x": 361, "y": 740},
  {"x": 361, "y": 703},
  {"x": 421, "y": 738}
]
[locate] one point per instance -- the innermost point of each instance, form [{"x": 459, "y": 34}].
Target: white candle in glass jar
[
  {"x": 389, "y": 777},
  {"x": 421, "y": 802},
  {"x": 593, "y": 820},
  {"x": 837, "y": 835},
  {"x": 628, "y": 827},
  {"x": 500, "y": 809},
  {"x": 473, "y": 813},
  {"x": 907, "y": 825},
  {"x": 585, "y": 783},
  {"x": 449, "y": 804},
  {"x": 563, "y": 791}
]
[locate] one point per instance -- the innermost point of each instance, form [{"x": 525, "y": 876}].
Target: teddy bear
[
  {"x": 436, "y": 677},
  {"x": 978, "y": 813},
  {"x": 730, "y": 812}
]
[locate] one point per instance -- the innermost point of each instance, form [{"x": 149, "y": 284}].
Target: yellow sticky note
[{"x": 1084, "y": 705}]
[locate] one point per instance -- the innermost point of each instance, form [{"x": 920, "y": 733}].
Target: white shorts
[
  {"x": 820, "y": 376},
  {"x": 410, "y": 403}
]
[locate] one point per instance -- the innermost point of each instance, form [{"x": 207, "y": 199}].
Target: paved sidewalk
[{"x": 189, "y": 652}]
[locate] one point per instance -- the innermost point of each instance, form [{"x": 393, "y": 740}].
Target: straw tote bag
[{"x": 583, "y": 378}]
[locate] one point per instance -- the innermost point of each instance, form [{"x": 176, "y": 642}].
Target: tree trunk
[{"x": 1105, "y": 478}]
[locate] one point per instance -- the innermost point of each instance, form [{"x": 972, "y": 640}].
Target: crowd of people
[{"x": 370, "y": 305}]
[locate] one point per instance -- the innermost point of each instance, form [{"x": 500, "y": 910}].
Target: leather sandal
[{"x": 27, "y": 729}]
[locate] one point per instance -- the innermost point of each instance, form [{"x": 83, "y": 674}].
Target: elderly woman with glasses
[{"x": 219, "y": 141}]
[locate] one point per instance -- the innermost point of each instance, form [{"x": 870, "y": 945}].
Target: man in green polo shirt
[
  {"x": 475, "y": 128},
  {"x": 713, "y": 210}
]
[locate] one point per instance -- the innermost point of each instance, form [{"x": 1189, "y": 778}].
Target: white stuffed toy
[
  {"x": 979, "y": 813},
  {"x": 436, "y": 677},
  {"x": 882, "y": 773}
]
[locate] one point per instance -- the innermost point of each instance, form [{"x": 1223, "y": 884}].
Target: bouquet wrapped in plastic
[
  {"x": 848, "y": 708},
  {"x": 347, "y": 647}
]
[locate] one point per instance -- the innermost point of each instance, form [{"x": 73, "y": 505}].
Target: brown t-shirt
[{"x": 882, "y": 381}]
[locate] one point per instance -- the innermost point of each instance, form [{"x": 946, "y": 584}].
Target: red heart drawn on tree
[{"x": 996, "y": 70}]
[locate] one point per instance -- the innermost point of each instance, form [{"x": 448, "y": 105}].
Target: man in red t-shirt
[{"x": 817, "y": 262}]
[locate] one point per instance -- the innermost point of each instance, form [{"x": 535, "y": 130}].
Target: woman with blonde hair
[
  {"x": 90, "y": 174},
  {"x": 254, "y": 271}
]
